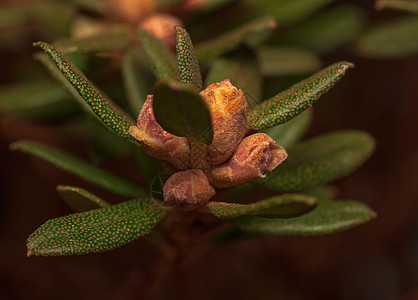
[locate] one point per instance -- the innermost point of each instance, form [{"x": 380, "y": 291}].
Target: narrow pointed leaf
[
  {"x": 79, "y": 168},
  {"x": 284, "y": 206},
  {"x": 109, "y": 114},
  {"x": 328, "y": 217},
  {"x": 396, "y": 38},
  {"x": 406, "y": 5},
  {"x": 327, "y": 31},
  {"x": 293, "y": 101},
  {"x": 96, "y": 230},
  {"x": 161, "y": 58},
  {"x": 287, "y": 11},
  {"x": 136, "y": 80},
  {"x": 188, "y": 66},
  {"x": 114, "y": 38},
  {"x": 79, "y": 199},
  {"x": 181, "y": 111},
  {"x": 229, "y": 41},
  {"x": 289, "y": 133},
  {"x": 40, "y": 99},
  {"x": 287, "y": 61},
  {"x": 243, "y": 72},
  {"x": 320, "y": 160}
]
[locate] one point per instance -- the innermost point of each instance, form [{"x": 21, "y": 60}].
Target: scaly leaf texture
[
  {"x": 109, "y": 114},
  {"x": 328, "y": 217},
  {"x": 287, "y": 61},
  {"x": 79, "y": 168},
  {"x": 217, "y": 46},
  {"x": 243, "y": 72},
  {"x": 406, "y": 5},
  {"x": 289, "y": 133},
  {"x": 160, "y": 57},
  {"x": 78, "y": 199},
  {"x": 181, "y": 111},
  {"x": 114, "y": 38},
  {"x": 320, "y": 160},
  {"x": 396, "y": 38},
  {"x": 293, "y": 101},
  {"x": 288, "y": 205},
  {"x": 188, "y": 66},
  {"x": 96, "y": 230}
]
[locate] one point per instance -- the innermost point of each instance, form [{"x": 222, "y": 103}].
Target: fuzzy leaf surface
[
  {"x": 217, "y": 46},
  {"x": 79, "y": 199},
  {"x": 328, "y": 217},
  {"x": 293, "y": 101},
  {"x": 289, "y": 133},
  {"x": 243, "y": 72},
  {"x": 107, "y": 112},
  {"x": 114, "y": 38},
  {"x": 79, "y": 168},
  {"x": 187, "y": 64},
  {"x": 284, "y": 206},
  {"x": 396, "y": 38},
  {"x": 180, "y": 110},
  {"x": 96, "y": 230},
  {"x": 160, "y": 57},
  {"x": 320, "y": 160}
]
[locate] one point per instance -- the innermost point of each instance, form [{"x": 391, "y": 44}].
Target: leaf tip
[
  {"x": 14, "y": 146},
  {"x": 29, "y": 253},
  {"x": 347, "y": 65}
]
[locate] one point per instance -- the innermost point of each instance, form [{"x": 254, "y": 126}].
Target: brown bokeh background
[{"x": 375, "y": 261}]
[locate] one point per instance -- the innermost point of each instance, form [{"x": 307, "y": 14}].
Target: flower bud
[
  {"x": 162, "y": 27},
  {"x": 159, "y": 143},
  {"x": 228, "y": 109},
  {"x": 255, "y": 155},
  {"x": 131, "y": 11},
  {"x": 187, "y": 190}
]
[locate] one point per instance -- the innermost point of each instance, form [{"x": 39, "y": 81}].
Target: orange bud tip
[{"x": 29, "y": 253}]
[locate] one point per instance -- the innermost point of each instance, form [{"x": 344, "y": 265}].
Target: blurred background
[{"x": 377, "y": 260}]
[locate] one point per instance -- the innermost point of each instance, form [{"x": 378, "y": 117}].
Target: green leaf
[
  {"x": 243, "y": 72},
  {"x": 287, "y": 61},
  {"x": 79, "y": 168},
  {"x": 327, "y": 31},
  {"x": 229, "y": 41},
  {"x": 293, "y": 101},
  {"x": 289, "y": 133},
  {"x": 161, "y": 58},
  {"x": 287, "y": 11},
  {"x": 104, "y": 110},
  {"x": 95, "y": 6},
  {"x": 328, "y": 217},
  {"x": 396, "y": 38},
  {"x": 284, "y": 206},
  {"x": 406, "y": 5},
  {"x": 181, "y": 111},
  {"x": 39, "y": 99},
  {"x": 114, "y": 38},
  {"x": 79, "y": 199},
  {"x": 96, "y": 230},
  {"x": 136, "y": 80},
  {"x": 320, "y": 160},
  {"x": 188, "y": 66}
]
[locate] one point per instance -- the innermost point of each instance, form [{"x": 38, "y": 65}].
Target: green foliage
[
  {"x": 188, "y": 66},
  {"x": 284, "y": 206},
  {"x": 79, "y": 199},
  {"x": 96, "y": 230},
  {"x": 293, "y": 101},
  {"x": 320, "y": 160},
  {"x": 79, "y": 168},
  {"x": 181, "y": 111},
  {"x": 110, "y": 115},
  {"x": 330, "y": 216},
  {"x": 397, "y": 38},
  {"x": 161, "y": 59}
]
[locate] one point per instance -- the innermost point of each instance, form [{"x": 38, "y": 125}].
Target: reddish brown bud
[
  {"x": 159, "y": 143},
  {"x": 188, "y": 190},
  {"x": 131, "y": 11},
  {"x": 255, "y": 155},
  {"x": 162, "y": 27},
  {"x": 228, "y": 108}
]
